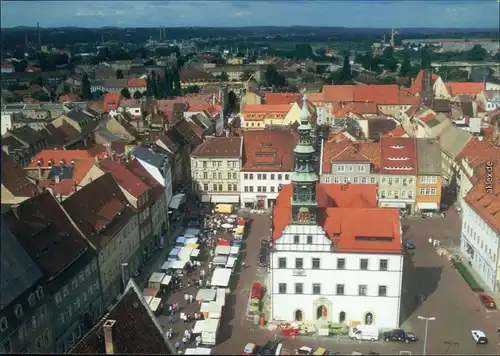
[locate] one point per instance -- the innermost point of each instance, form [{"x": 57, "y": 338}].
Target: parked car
[
  {"x": 488, "y": 301},
  {"x": 408, "y": 245},
  {"x": 304, "y": 350},
  {"x": 263, "y": 256},
  {"x": 400, "y": 335},
  {"x": 479, "y": 337},
  {"x": 268, "y": 348},
  {"x": 256, "y": 290},
  {"x": 250, "y": 349}
]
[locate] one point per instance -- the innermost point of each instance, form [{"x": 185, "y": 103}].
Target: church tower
[{"x": 304, "y": 177}]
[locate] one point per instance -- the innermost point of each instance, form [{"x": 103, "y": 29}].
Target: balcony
[{"x": 299, "y": 272}]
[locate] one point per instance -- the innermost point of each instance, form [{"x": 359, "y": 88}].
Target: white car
[
  {"x": 305, "y": 350},
  {"x": 479, "y": 337}
]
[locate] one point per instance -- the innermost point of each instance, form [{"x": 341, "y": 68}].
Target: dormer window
[
  {"x": 39, "y": 292},
  {"x": 18, "y": 311},
  {"x": 39, "y": 163},
  {"x": 50, "y": 163},
  {"x": 3, "y": 324},
  {"x": 31, "y": 300},
  {"x": 62, "y": 162},
  {"x": 397, "y": 147}
]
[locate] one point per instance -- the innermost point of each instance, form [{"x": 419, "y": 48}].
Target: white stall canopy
[
  {"x": 191, "y": 240},
  {"x": 195, "y": 253},
  {"x": 206, "y": 326},
  {"x": 148, "y": 299},
  {"x": 220, "y": 260},
  {"x": 166, "y": 280},
  {"x": 192, "y": 231},
  {"x": 156, "y": 277},
  {"x": 198, "y": 351},
  {"x": 176, "y": 201},
  {"x": 185, "y": 253},
  {"x": 231, "y": 261},
  {"x": 205, "y": 294},
  {"x": 173, "y": 265},
  {"x": 213, "y": 309},
  {"x": 222, "y": 250},
  {"x": 175, "y": 252},
  {"x": 220, "y": 297},
  {"x": 221, "y": 277},
  {"x": 154, "y": 304},
  {"x": 235, "y": 251},
  {"x": 181, "y": 240}
]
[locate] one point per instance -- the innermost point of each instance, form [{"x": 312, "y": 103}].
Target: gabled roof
[
  {"x": 182, "y": 133},
  {"x": 360, "y": 108},
  {"x": 452, "y": 140},
  {"x": 332, "y": 151},
  {"x": 478, "y": 151},
  {"x": 398, "y": 156},
  {"x": 428, "y": 156},
  {"x": 136, "y": 83},
  {"x": 459, "y": 88},
  {"x": 125, "y": 178},
  {"x": 379, "y": 94},
  {"x": 140, "y": 172},
  {"x": 46, "y": 233},
  {"x": 26, "y": 135},
  {"x": 111, "y": 101},
  {"x": 418, "y": 83},
  {"x": 221, "y": 147},
  {"x": 15, "y": 179},
  {"x": 136, "y": 330},
  {"x": 99, "y": 209},
  {"x": 397, "y": 132},
  {"x": 148, "y": 155},
  {"x": 281, "y": 98},
  {"x": 268, "y": 150},
  {"x": 56, "y": 156}
]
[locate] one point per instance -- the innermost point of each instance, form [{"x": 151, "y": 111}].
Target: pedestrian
[
  {"x": 242, "y": 264},
  {"x": 184, "y": 340},
  {"x": 434, "y": 243},
  {"x": 196, "y": 316},
  {"x": 186, "y": 333},
  {"x": 198, "y": 340},
  {"x": 171, "y": 332},
  {"x": 177, "y": 346},
  {"x": 430, "y": 240},
  {"x": 186, "y": 297},
  {"x": 170, "y": 319},
  {"x": 190, "y": 298},
  {"x": 170, "y": 309},
  {"x": 202, "y": 273},
  {"x": 185, "y": 319}
]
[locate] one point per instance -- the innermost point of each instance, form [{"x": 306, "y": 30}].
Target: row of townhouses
[{"x": 75, "y": 228}]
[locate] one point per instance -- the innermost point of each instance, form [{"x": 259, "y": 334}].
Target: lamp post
[{"x": 426, "y": 328}]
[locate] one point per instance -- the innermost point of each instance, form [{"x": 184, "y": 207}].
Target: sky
[{"x": 348, "y": 13}]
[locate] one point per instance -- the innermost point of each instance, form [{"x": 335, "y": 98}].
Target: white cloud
[{"x": 242, "y": 14}]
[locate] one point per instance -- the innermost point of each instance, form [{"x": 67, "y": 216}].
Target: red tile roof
[
  {"x": 46, "y": 233},
  {"x": 417, "y": 84},
  {"x": 398, "y": 155},
  {"x": 459, "y": 88},
  {"x": 99, "y": 150},
  {"x": 428, "y": 117},
  {"x": 111, "y": 101},
  {"x": 197, "y": 130},
  {"x": 140, "y": 172},
  {"x": 212, "y": 110},
  {"x": 97, "y": 204},
  {"x": 360, "y": 108},
  {"x": 69, "y": 97},
  {"x": 268, "y": 150},
  {"x": 380, "y": 94},
  {"x": 397, "y": 132},
  {"x": 15, "y": 179},
  {"x": 267, "y": 108},
  {"x": 484, "y": 197},
  {"x": 340, "y": 207},
  {"x": 125, "y": 178},
  {"x": 478, "y": 152},
  {"x": 223, "y": 147},
  {"x": 338, "y": 93},
  {"x": 56, "y": 156},
  {"x": 281, "y": 98},
  {"x": 136, "y": 83},
  {"x": 350, "y": 151}
]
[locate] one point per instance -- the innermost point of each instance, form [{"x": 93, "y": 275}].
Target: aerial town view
[{"x": 250, "y": 177}]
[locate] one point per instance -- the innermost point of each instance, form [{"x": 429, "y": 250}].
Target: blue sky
[{"x": 430, "y": 13}]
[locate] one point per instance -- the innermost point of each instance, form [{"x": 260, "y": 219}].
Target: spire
[{"x": 305, "y": 114}]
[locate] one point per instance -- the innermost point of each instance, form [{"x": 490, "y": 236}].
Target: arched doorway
[
  {"x": 369, "y": 318},
  {"x": 342, "y": 317},
  {"x": 299, "y": 315},
  {"x": 321, "y": 312}
]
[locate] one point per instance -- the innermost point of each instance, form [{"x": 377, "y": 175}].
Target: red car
[
  {"x": 256, "y": 290},
  {"x": 488, "y": 302}
]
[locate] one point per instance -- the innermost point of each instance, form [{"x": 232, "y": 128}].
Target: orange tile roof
[
  {"x": 281, "y": 98},
  {"x": 477, "y": 152},
  {"x": 267, "y": 108},
  {"x": 212, "y": 110},
  {"x": 379, "y": 94},
  {"x": 111, "y": 101},
  {"x": 268, "y": 150},
  {"x": 459, "y": 88},
  {"x": 341, "y": 207},
  {"x": 417, "y": 84},
  {"x": 405, "y": 99},
  {"x": 136, "y": 83},
  {"x": 82, "y": 167},
  {"x": 69, "y": 97},
  {"x": 125, "y": 178},
  {"x": 398, "y": 155},
  {"x": 315, "y": 97},
  {"x": 56, "y": 156},
  {"x": 397, "y": 132},
  {"x": 360, "y": 108},
  {"x": 347, "y": 150},
  {"x": 338, "y": 93},
  {"x": 484, "y": 197}
]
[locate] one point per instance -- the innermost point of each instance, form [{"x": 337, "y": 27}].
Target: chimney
[{"x": 108, "y": 336}]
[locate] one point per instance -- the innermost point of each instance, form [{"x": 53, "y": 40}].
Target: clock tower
[{"x": 304, "y": 177}]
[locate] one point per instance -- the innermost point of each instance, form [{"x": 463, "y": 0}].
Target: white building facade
[
  {"x": 480, "y": 243},
  {"x": 259, "y": 190},
  {"x": 311, "y": 283}
]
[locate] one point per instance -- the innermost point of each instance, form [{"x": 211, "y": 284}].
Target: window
[
  {"x": 363, "y": 264},
  {"x": 21, "y": 333},
  {"x": 272, "y": 189},
  {"x": 245, "y": 189},
  {"x": 245, "y": 176},
  {"x": 282, "y": 288},
  {"x": 214, "y": 187},
  {"x": 74, "y": 283},
  {"x": 39, "y": 292},
  {"x": 340, "y": 263},
  {"x": 299, "y": 288},
  {"x": 316, "y": 288},
  {"x": 340, "y": 168},
  {"x": 264, "y": 189},
  {"x": 18, "y": 311},
  {"x": 205, "y": 187},
  {"x": 336, "y": 179},
  {"x": 60, "y": 318},
  {"x": 46, "y": 337},
  {"x": 31, "y": 300},
  {"x": 264, "y": 176},
  {"x": 340, "y": 289},
  {"x": 259, "y": 176},
  {"x": 6, "y": 347},
  {"x": 229, "y": 186},
  {"x": 85, "y": 296},
  {"x": 259, "y": 189},
  {"x": 309, "y": 239},
  {"x": 251, "y": 189},
  {"x": 272, "y": 176},
  {"x": 250, "y": 176},
  {"x": 373, "y": 180},
  {"x": 220, "y": 175},
  {"x": 382, "y": 291},
  {"x": 214, "y": 175},
  {"x": 356, "y": 180},
  {"x": 58, "y": 298},
  {"x": 383, "y": 265},
  {"x": 65, "y": 291},
  {"x": 362, "y": 289},
  {"x": 287, "y": 177},
  {"x": 396, "y": 180},
  {"x": 235, "y": 175},
  {"x": 299, "y": 263},
  {"x": 282, "y": 262},
  {"x": 220, "y": 188},
  {"x": 205, "y": 175},
  {"x": 3, "y": 324},
  {"x": 38, "y": 343},
  {"x": 296, "y": 239},
  {"x": 350, "y": 168},
  {"x": 77, "y": 303},
  {"x": 94, "y": 266},
  {"x": 34, "y": 322},
  {"x": 87, "y": 271},
  {"x": 204, "y": 164},
  {"x": 316, "y": 264},
  {"x": 364, "y": 180}
]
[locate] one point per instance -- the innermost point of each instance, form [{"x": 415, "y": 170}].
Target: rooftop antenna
[
  {"x": 39, "y": 37},
  {"x": 161, "y": 33}
]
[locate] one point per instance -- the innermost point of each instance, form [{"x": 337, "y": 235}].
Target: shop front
[
  {"x": 402, "y": 205},
  {"x": 427, "y": 206},
  {"x": 261, "y": 202},
  {"x": 249, "y": 203},
  {"x": 226, "y": 199}
]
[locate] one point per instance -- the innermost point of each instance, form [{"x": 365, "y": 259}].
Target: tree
[
  {"x": 303, "y": 51},
  {"x": 149, "y": 86},
  {"x": 246, "y": 75},
  {"x": 346, "y": 69},
  {"x": 391, "y": 64},
  {"x": 192, "y": 89},
  {"x": 154, "y": 85},
  {"x": 37, "y": 81},
  {"x": 169, "y": 85},
  {"x": 388, "y": 52},
  {"x": 176, "y": 79},
  {"x": 85, "y": 92},
  {"x": 273, "y": 78},
  {"x": 223, "y": 77},
  {"x": 406, "y": 65},
  {"x": 477, "y": 54},
  {"x": 119, "y": 74},
  {"x": 125, "y": 93},
  {"x": 425, "y": 58},
  {"x": 137, "y": 94}
]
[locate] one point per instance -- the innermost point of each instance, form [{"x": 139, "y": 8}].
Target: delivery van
[
  {"x": 224, "y": 208},
  {"x": 364, "y": 332}
]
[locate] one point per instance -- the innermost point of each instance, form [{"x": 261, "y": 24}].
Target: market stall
[
  {"x": 180, "y": 241},
  {"x": 206, "y": 295},
  {"x": 155, "y": 305},
  {"x": 192, "y": 232},
  {"x": 191, "y": 240},
  {"x": 166, "y": 280},
  {"x": 221, "y": 277},
  {"x": 208, "y": 330},
  {"x": 155, "y": 280},
  {"x": 220, "y": 261},
  {"x": 222, "y": 250},
  {"x": 185, "y": 254},
  {"x": 150, "y": 292},
  {"x": 198, "y": 351},
  {"x": 220, "y": 297},
  {"x": 234, "y": 251},
  {"x": 211, "y": 310},
  {"x": 231, "y": 263},
  {"x": 173, "y": 265},
  {"x": 173, "y": 255}
]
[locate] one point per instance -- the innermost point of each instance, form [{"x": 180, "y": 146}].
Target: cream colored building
[
  {"x": 258, "y": 117},
  {"x": 215, "y": 169}
]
